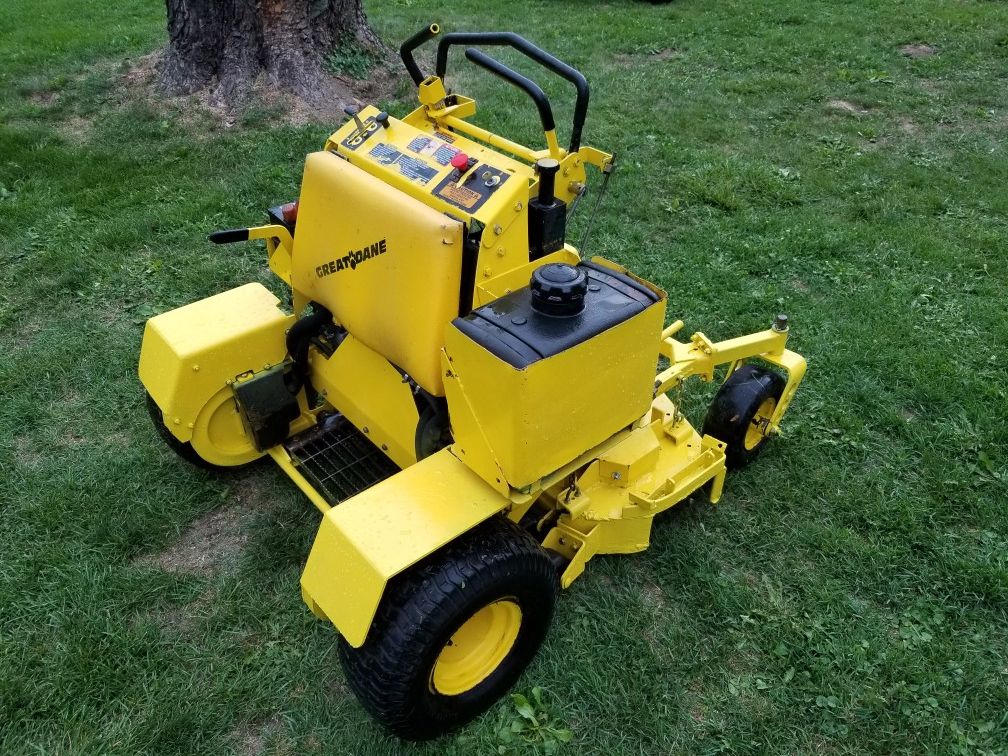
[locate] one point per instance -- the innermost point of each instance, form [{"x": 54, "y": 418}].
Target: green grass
[
  {"x": 850, "y": 592},
  {"x": 352, "y": 61}
]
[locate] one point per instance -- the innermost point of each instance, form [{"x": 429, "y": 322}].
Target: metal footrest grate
[{"x": 337, "y": 459}]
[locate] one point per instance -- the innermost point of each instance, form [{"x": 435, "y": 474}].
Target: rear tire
[
  {"x": 455, "y": 632},
  {"x": 741, "y": 405}
]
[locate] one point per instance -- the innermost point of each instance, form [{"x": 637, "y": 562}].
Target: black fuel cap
[{"x": 558, "y": 289}]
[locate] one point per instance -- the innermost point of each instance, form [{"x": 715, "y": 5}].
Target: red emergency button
[{"x": 460, "y": 161}]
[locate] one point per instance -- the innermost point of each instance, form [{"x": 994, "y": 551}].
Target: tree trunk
[{"x": 224, "y": 45}]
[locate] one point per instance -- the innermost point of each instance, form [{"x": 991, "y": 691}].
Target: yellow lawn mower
[{"x": 475, "y": 409}]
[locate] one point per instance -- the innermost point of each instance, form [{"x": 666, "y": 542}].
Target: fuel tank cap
[{"x": 558, "y": 289}]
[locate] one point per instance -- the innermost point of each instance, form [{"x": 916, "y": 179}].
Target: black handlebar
[
  {"x": 543, "y": 58},
  {"x": 407, "y": 48},
  {"x": 528, "y": 86},
  {"x": 229, "y": 235},
  {"x": 508, "y": 39}
]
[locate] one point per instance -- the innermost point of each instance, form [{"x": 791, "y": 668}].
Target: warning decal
[
  {"x": 475, "y": 189},
  {"x": 460, "y": 195}
]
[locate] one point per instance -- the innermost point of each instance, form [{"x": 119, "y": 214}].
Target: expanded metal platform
[{"x": 337, "y": 459}]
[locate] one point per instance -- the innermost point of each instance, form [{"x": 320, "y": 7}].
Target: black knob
[
  {"x": 354, "y": 113},
  {"x": 382, "y": 118},
  {"x": 547, "y": 169},
  {"x": 558, "y": 289}
]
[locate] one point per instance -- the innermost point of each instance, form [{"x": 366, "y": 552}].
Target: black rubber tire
[
  {"x": 734, "y": 408},
  {"x": 433, "y": 432},
  {"x": 182, "y": 448},
  {"x": 421, "y": 610}
]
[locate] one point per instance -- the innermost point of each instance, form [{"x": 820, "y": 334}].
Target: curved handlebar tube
[
  {"x": 407, "y": 48},
  {"x": 521, "y": 44},
  {"x": 528, "y": 86}
]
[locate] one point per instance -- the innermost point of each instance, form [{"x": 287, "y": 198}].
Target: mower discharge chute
[{"x": 473, "y": 408}]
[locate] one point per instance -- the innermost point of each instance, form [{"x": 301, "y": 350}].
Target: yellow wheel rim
[
  {"x": 477, "y": 648},
  {"x": 754, "y": 433}
]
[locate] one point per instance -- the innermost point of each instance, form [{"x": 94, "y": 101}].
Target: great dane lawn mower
[{"x": 475, "y": 409}]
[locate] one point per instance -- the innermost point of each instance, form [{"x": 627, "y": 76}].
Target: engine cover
[{"x": 543, "y": 389}]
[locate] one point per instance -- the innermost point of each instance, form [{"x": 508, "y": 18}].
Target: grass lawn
[{"x": 850, "y": 592}]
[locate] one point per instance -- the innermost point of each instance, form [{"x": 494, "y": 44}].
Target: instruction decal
[
  {"x": 410, "y": 167},
  {"x": 434, "y": 148}
]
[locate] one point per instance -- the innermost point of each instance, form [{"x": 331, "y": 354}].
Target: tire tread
[
  {"x": 734, "y": 406},
  {"x": 417, "y": 603}
]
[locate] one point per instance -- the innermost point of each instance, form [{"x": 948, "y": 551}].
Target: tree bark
[{"x": 224, "y": 45}]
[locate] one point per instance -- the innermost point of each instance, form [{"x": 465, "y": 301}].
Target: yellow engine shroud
[{"x": 517, "y": 419}]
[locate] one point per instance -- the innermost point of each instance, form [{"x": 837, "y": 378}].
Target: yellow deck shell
[{"x": 190, "y": 354}]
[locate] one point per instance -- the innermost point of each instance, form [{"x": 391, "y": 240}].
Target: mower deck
[
  {"x": 604, "y": 501},
  {"x": 609, "y": 507}
]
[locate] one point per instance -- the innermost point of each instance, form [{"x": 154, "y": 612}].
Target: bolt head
[{"x": 780, "y": 323}]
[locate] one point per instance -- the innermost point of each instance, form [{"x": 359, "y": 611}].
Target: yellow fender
[{"x": 368, "y": 539}]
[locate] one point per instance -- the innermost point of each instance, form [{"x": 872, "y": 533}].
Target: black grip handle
[
  {"x": 229, "y": 235},
  {"x": 407, "y": 48},
  {"x": 543, "y": 58},
  {"x": 528, "y": 86}
]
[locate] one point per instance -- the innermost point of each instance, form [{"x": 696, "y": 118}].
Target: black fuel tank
[{"x": 515, "y": 329}]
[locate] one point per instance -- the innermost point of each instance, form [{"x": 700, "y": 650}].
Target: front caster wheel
[
  {"x": 741, "y": 409},
  {"x": 455, "y": 632}
]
